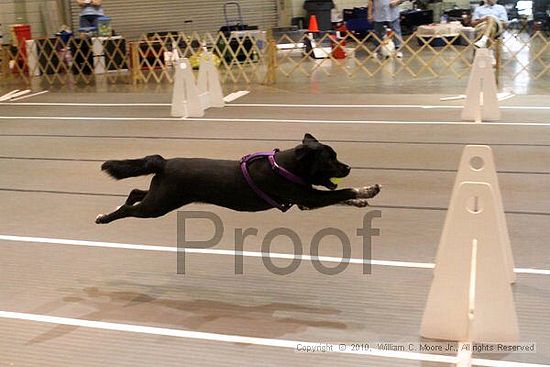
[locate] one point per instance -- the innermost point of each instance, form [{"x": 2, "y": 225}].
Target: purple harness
[{"x": 276, "y": 168}]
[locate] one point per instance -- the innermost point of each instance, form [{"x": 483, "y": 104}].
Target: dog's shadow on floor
[{"x": 271, "y": 320}]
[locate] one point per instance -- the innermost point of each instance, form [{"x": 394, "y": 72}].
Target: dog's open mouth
[
  {"x": 330, "y": 185},
  {"x": 333, "y": 182}
]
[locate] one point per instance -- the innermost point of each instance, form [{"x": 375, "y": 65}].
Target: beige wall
[
  {"x": 295, "y": 7},
  {"x": 7, "y": 16},
  {"x": 297, "y": 10},
  {"x": 449, "y": 4},
  {"x": 25, "y": 11},
  {"x": 28, "y": 11}
]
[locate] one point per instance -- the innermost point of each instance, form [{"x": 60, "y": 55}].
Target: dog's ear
[
  {"x": 302, "y": 151},
  {"x": 308, "y": 138}
]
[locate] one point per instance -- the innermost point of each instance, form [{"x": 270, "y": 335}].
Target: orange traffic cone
[
  {"x": 337, "y": 49},
  {"x": 339, "y": 42},
  {"x": 313, "y": 27}
]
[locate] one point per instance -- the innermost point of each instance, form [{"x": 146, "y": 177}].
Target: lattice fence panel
[{"x": 246, "y": 58}]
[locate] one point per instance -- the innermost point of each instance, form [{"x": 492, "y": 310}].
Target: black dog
[{"x": 258, "y": 182}]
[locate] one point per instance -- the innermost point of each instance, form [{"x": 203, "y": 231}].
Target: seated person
[
  {"x": 90, "y": 11},
  {"x": 489, "y": 20}
]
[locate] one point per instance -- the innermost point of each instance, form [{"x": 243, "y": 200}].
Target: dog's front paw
[
  {"x": 358, "y": 203},
  {"x": 367, "y": 192},
  {"x": 301, "y": 207},
  {"x": 99, "y": 219}
]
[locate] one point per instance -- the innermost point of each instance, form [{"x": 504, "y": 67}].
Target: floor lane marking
[
  {"x": 283, "y": 105},
  {"x": 30, "y": 95},
  {"x": 262, "y": 139},
  {"x": 226, "y": 338},
  {"x": 233, "y": 96},
  {"x": 367, "y": 122},
  {"x": 291, "y": 121},
  {"x": 81, "y": 118},
  {"x": 227, "y": 252},
  {"x": 239, "y": 339}
]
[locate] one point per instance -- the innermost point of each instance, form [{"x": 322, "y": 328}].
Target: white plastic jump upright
[
  {"x": 471, "y": 298},
  {"x": 477, "y": 165},
  {"x": 209, "y": 83},
  {"x": 190, "y": 99},
  {"x": 481, "y": 93},
  {"x": 185, "y": 95},
  {"x": 319, "y": 52}
]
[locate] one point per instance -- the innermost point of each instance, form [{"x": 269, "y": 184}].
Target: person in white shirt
[
  {"x": 386, "y": 13},
  {"x": 489, "y": 20}
]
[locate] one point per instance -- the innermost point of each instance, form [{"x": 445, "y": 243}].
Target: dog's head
[{"x": 319, "y": 163}]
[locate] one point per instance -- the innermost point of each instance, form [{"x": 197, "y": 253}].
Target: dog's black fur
[{"x": 180, "y": 181}]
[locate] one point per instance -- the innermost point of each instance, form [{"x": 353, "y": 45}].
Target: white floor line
[
  {"x": 85, "y": 104},
  {"x": 80, "y": 118},
  {"x": 203, "y": 119},
  {"x": 283, "y": 105},
  {"x": 225, "y": 338},
  {"x": 233, "y": 96},
  {"x": 209, "y": 251},
  {"x": 20, "y": 93},
  {"x": 500, "y": 96},
  {"x": 30, "y": 95},
  {"x": 367, "y": 122},
  {"x": 505, "y": 96},
  {"x": 197, "y": 335},
  {"x": 497, "y": 363},
  {"x": 464, "y": 357},
  {"x": 8, "y": 95}
]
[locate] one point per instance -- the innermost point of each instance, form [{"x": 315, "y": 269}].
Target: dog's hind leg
[
  {"x": 122, "y": 211},
  {"x": 152, "y": 205},
  {"x": 136, "y": 196},
  {"x": 160, "y": 199},
  {"x": 139, "y": 210}
]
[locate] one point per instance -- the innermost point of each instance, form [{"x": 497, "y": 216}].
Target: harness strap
[
  {"x": 276, "y": 168},
  {"x": 283, "y": 171}
]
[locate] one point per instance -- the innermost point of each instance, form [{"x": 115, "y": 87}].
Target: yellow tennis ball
[{"x": 336, "y": 180}]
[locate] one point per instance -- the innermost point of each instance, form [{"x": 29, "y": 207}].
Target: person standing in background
[
  {"x": 90, "y": 11},
  {"x": 386, "y": 13},
  {"x": 489, "y": 20}
]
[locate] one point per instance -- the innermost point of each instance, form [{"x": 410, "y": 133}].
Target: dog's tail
[{"x": 134, "y": 167}]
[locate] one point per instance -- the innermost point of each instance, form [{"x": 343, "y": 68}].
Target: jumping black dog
[{"x": 258, "y": 182}]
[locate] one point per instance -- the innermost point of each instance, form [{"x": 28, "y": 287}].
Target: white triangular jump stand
[
  {"x": 477, "y": 165},
  {"x": 185, "y": 96},
  {"x": 209, "y": 85},
  {"x": 481, "y": 93},
  {"x": 319, "y": 52},
  {"x": 471, "y": 298}
]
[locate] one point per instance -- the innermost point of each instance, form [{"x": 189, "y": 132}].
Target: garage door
[{"x": 132, "y": 18}]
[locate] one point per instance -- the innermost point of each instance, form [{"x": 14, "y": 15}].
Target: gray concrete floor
[
  {"x": 321, "y": 84},
  {"x": 51, "y": 186}
]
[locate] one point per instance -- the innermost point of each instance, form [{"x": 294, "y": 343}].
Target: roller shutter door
[{"x": 133, "y": 18}]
